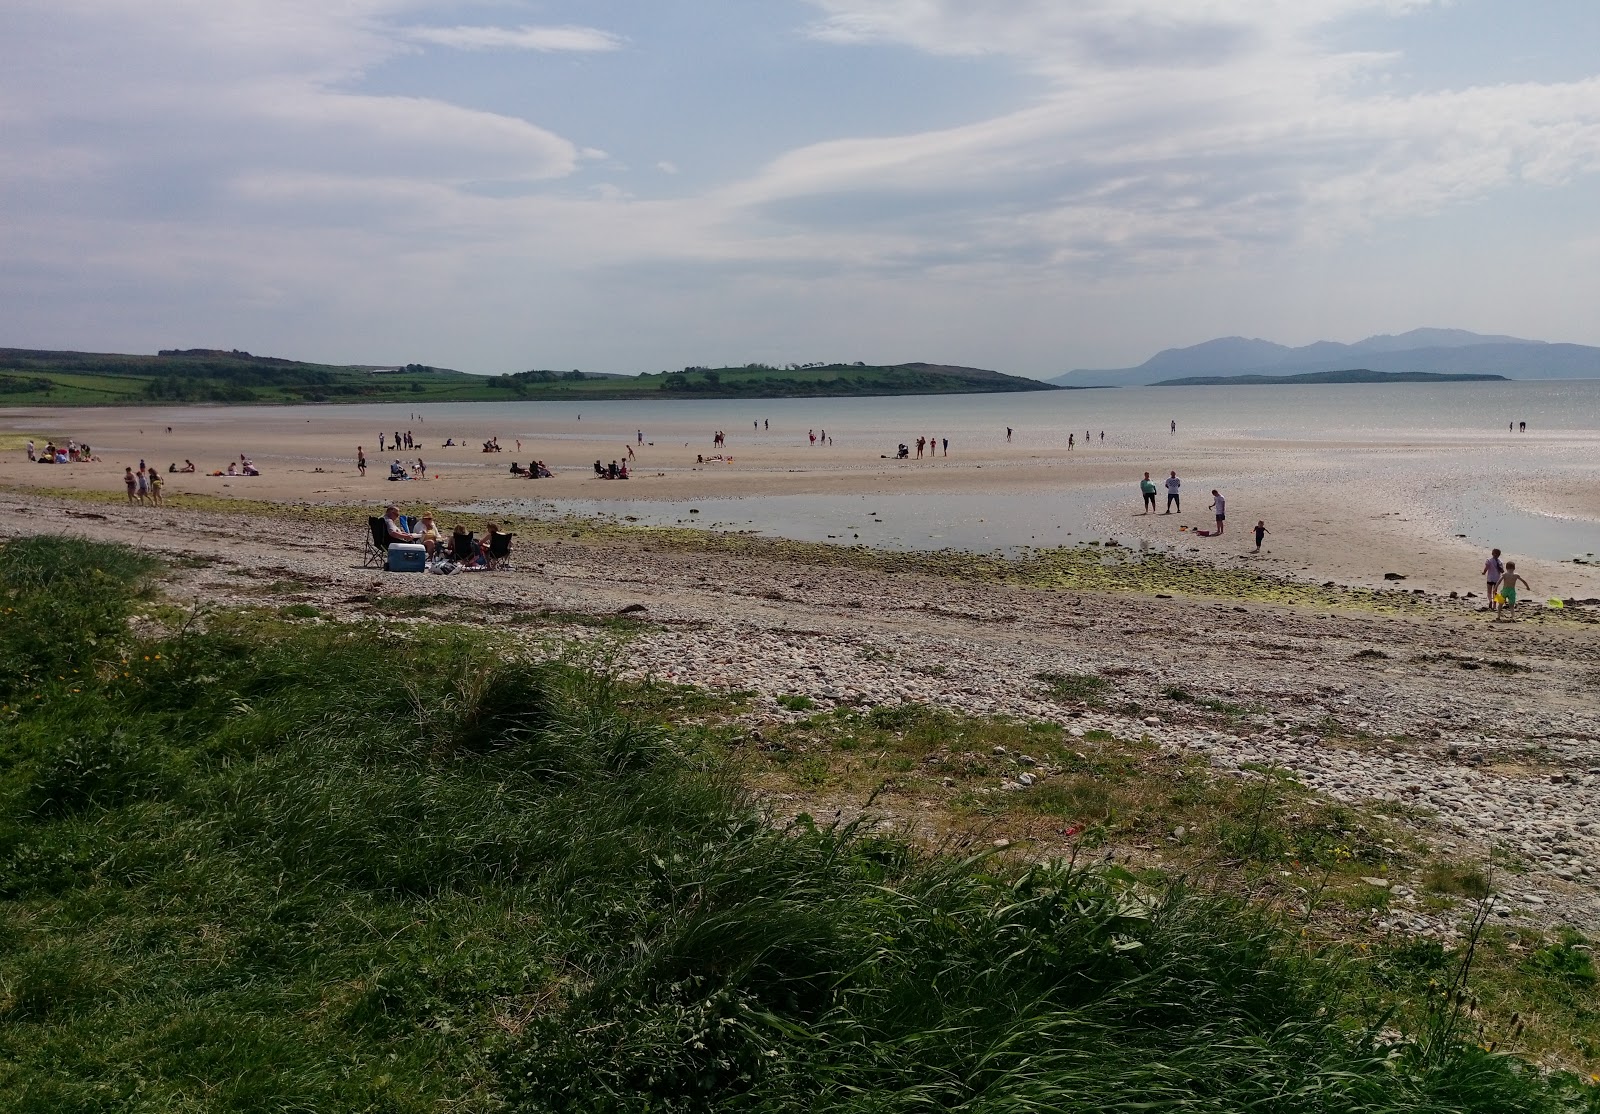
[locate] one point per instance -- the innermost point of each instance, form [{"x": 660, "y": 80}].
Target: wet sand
[{"x": 1344, "y": 511}]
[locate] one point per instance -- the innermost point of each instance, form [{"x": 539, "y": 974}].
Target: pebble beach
[{"x": 1488, "y": 731}]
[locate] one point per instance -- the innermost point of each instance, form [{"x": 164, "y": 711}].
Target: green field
[
  {"x": 252, "y": 861},
  {"x": 30, "y": 377}
]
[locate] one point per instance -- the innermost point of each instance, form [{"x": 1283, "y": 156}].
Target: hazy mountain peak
[
  {"x": 1224, "y": 352},
  {"x": 1432, "y": 338},
  {"x": 1426, "y": 350}
]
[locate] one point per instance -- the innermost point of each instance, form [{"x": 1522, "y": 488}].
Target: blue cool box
[{"x": 407, "y": 557}]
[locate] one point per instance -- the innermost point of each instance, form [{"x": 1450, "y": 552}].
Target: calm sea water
[{"x": 1132, "y": 415}]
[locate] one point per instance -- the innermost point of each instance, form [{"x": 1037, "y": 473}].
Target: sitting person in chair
[
  {"x": 463, "y": 548},
  {"x": 396, "y": 528},
  {"x": 431, "y": 536},
  {"x": 496, "y": 547}
]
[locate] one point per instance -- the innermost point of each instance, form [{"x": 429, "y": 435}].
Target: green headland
[{"x": 37, "y": 377}]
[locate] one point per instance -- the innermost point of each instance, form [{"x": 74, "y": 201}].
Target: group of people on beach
[
  {"x": 144, "y": 486},
  {"x": 536, "y": 470},
  {"x": 401, "y": 441},
  {"x": 70, "y": 453},
  {"x": 613, "y": 471},
  {"x": 144, "y": 483},
  {"x": 1219, "y": 507},
  {"x": 1503, "y": 580},
  {"x": 461, "y": 547}
]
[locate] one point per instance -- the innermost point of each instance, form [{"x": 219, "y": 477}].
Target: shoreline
[{"x": 1336, "y": 510}]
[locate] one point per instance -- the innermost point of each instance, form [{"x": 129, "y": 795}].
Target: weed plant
[{"x": 253, "y": 865}]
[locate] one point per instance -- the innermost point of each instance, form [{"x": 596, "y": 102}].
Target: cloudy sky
[{"x": 631, "y": 185}]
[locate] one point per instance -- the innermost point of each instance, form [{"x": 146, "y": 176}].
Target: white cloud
[
  {"x": 226, "y": 155},
  {"x": 1171, "y": 131},
  {"x": 576, "y": 39}
]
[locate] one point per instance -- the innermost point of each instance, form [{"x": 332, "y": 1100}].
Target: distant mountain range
[
  {"x": 1354, "y": 375},
  {"x": 1442, "y": 351}
]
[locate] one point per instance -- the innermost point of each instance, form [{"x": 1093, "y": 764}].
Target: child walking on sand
[
  {"x": 1261, "y": 531},
  {"x": 1508, "y": 588}
]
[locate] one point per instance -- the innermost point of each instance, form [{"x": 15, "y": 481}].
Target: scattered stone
[
  {"x": 1394, "y": 576},
  {"x": 1381, "y": 883},
  {"x": 632, "y": 609}
]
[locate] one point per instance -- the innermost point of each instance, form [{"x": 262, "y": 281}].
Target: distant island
[
  {"x": 1355, "y": 375},
  {"x": 31, "y": 377},
  {"x": 1442, "y": 352}
]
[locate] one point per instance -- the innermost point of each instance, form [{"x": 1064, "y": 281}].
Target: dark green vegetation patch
[
  {"x": 258, "y": 865},
  {"x": 206, "y": 375}
]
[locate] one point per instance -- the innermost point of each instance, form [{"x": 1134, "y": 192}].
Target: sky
[{"x": 633, "y": 185}]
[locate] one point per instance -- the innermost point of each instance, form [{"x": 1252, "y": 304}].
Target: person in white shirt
[
  {"x": 1219, "y": 507},
  {"x": 1173, "y": 484},
  {"x": 397, "y": 532}
]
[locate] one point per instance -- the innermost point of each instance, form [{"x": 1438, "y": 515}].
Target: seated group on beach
[
  {"x": 536, "y": 470},
  {"x": 417, "y": 470},
  {"x": 241, "y": 467},
  {"x": 188, "y": 466},
  {"x": 611, "y": 472},
  {"x": 70, "y": 453},
  {"x": 460, "y": 549}
]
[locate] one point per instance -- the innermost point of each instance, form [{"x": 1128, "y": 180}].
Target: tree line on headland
[{"x": 238, "y": 377}]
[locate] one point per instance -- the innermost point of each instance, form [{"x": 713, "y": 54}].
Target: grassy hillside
[
  {"x": 256, "y": 864},
  {"x": 29, "y": 377}
]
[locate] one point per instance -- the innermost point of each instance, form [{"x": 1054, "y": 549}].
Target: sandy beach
[{"x": 1340, "y": 510}]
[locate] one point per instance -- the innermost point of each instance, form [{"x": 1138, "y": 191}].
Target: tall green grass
[{"x": 254, "y": 866}]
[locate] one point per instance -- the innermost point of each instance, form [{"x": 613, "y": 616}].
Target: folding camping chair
[
  {"x": 499, "y": 551},
  {"x": 462, "y": 549},
  {"x": 375, "y": 545}
]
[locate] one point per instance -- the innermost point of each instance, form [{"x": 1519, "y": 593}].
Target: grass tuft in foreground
[{"x": 259, "y": 865}]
